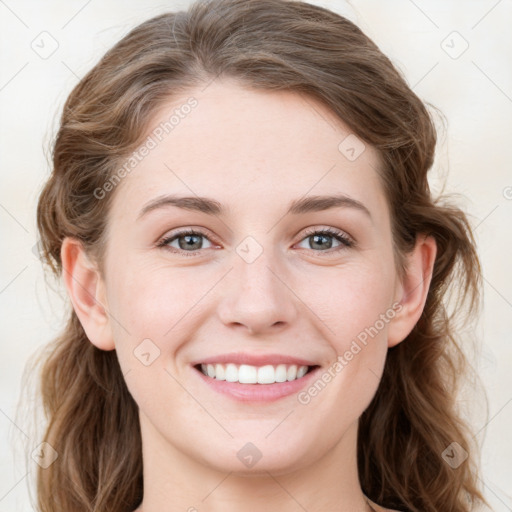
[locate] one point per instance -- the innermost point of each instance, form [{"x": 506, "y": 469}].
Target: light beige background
[{"x": 425, "y": 39}]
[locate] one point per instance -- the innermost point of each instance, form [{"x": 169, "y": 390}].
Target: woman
[{"x": 240, "y": 212}]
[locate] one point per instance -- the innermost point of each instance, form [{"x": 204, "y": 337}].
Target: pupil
[
  {"x": 323, "y": 238},
  {"x": 189, "y": 242}
]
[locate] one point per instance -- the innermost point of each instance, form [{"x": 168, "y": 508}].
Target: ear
[
  {"x": 86, "y": 290},
  {"x": 411, "y": 291}
]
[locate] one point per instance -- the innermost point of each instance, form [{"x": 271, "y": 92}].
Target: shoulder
[{"x": 381, "y": 509}]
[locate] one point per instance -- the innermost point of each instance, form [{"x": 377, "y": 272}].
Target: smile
[
  {"x": 248, "y": 374},
  {"x": 241, "y": 382}
]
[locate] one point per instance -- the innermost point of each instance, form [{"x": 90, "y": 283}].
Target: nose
[{"x": 257, "y": 297}]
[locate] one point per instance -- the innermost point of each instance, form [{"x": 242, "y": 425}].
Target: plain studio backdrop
[{"x": 455, "y": 55}]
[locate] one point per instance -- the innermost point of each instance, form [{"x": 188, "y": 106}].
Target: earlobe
[
  {"x": 412, "y": 291},
  {"x": 86, "y": 290}
]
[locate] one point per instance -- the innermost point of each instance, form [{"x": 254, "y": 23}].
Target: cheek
[
  {"x": 352, "y": 300},
  {"x": 152, "y": 299},
  {"x": 150, "y": 308},
  {"x": 356, "y": 306}
]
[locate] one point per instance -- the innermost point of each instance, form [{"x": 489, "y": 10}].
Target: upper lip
[{"x": 254, "y": 359}]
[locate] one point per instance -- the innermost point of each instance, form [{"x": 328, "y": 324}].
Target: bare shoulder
[{"x": 378, "y": 508}]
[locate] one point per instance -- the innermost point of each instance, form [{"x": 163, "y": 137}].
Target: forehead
[{"x": 242, "y": 145}]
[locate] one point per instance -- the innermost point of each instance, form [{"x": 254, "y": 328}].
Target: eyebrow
[{"x": 299, "y": 206}]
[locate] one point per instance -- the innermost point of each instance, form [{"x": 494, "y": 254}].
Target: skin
[{"x": 254, "y": 152}]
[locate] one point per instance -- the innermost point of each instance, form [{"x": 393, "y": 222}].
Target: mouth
[{"x": 254, "y": 375}]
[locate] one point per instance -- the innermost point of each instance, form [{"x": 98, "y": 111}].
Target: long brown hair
[{"x": 272, "y": 45}]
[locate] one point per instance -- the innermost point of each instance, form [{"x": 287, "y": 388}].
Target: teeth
[
  {"x": 291, "y": 374},
  {"x": 247, "y": 374},
  {"x": 220, "y": 372},
  {"x": 301, "y": 371}
]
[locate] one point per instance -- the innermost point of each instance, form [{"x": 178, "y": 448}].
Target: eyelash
[{"x": 344, "y": 240}]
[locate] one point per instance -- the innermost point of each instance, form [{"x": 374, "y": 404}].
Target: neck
[{"x": 174, "y": 479}]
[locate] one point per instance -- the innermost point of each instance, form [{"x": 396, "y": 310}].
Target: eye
[
  {"x": 321, "y": 240},
  {"x": 191, "y": 241},
  {"x": 187, "y": 241}
]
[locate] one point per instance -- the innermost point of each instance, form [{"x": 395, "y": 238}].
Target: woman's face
[{"x": 259, "y": 278}]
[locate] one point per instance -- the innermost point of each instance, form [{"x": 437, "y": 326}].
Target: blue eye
[
  {"x": 323, "y": 239},
  {"x": 190, "y": 242}
]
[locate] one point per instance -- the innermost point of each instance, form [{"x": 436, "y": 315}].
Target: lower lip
[{"x": 258, "y": 392}]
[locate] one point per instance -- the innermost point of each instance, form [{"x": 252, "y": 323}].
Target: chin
[{"x": 249, "y": 460}]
